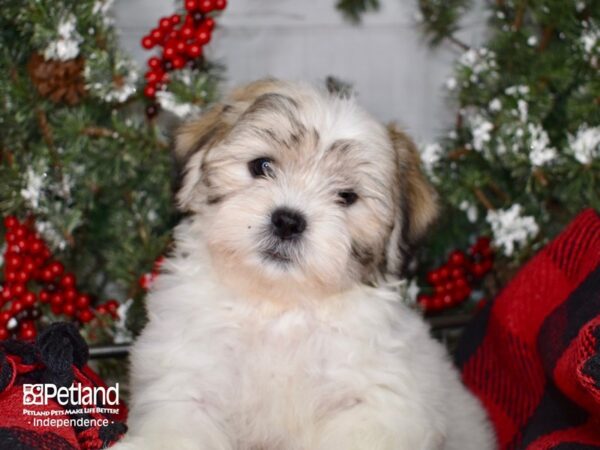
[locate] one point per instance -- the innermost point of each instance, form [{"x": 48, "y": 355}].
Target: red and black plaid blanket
[
  {"x": 533, "y": 354},
  {"x": 57, "y": 358}
]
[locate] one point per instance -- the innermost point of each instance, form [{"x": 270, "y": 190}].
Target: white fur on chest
[{"x": 279, "y": 378}]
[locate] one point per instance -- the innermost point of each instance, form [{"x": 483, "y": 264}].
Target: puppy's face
[{"x": 300, "y": 191}]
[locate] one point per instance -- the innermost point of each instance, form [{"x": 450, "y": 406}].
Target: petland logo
[{"x": 76, "y": 395}]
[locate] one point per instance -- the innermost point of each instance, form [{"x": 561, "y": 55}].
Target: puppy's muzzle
[{"x": 287, "y": 224}]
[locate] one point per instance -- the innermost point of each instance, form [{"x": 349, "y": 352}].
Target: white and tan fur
[{"x": 314, "y": 352}]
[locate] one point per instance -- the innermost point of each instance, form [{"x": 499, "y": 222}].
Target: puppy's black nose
[{"x": 287, "y": 223}]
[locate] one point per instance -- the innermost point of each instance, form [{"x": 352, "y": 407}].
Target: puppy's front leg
[
  {"x": 179, "y": 426},
  {"x": 371, "y": 428}
]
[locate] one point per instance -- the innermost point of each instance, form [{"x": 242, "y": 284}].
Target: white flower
[
  {"x": 532, "y": 41},
  {"x": 481, "y": 129},
  {"x": 168, "y": 102},
  {"x": 523, "y": 108},
  {"x": 511, "y": 229},
  {"x": 495, "y": 105},
  {"x": 451, "y": 83},
  {"x": 66, "y": 46},
  {"x": 589, "y": 39},
  {"x": 470, "y": 209},
  {"x": 102, "y": 7},
  {"x": 122, "y": 334},
  {"x": 49, "y": 233},
  {"x": 430, "y": 156},
  {"x": 541, "y": 153},
  {"x": 32, "y": 192},
  {"x": 586, "y": 144}
]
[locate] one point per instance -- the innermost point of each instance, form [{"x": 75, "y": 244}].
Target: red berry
[
  {"x": 29, "y": 265},
  {"x": 11, "y": 277},
  {"x": 56, "y": 268},
  {"x": 220, "y": 4},
  {"x": 18, "y": 290},
  {"x": 203, "y": 37},
  {"x": 460, "y": 283},
  {"x": 483, "y": 242},
  {"x": 102, "y": 309},
  {"x": 29, "y": 299},
  {"x": 68, "y": 280},
  {"x": 112, "y": 305},
  {"x": 444, "y": 273},
  {"x": 206, "y": 6},
  {"x": 175, "y": 19},
  {"x": 56, "y": 309},
  {"x": 148, "y": 42},
  {"x": 85, "y": 316},
  {"x": 44, "y": 296},
  {"x": 194, "y": 50},
  {"x": 145, "y": 281},
  {"x": 68, "y": 309},
  {"x": 150, "y": 91},
  {"x": 165, "y": 23},
  {"x": 187, "y": 32},
  {"x": 4, "y": 334},
  {"x": 10, "y": 222},
  {"x": 6, "y": 293},
  {"x": 36, "y": 246},
  {"x": 16, "y": 307},
  {"x": 4, "y": 317},
  {"x": 440, "y": 289},
  {"x": 20, "y": 231},
  {"x": 447, "y": 300},
  {"x": 169, "y": 52},
  {"x": 178, "y": 62},
  {"x": 437, "y": 303},
  {"x": 152, "y": 77},
  {"x": 449, "y": 286},
  {"x": 191, "y": 5},
  {"x": 13, "y": 261},
  {"x": 83, "y": 301},
  {"x": 457, "y": 272},
  {"x": 70, "y": 295},
  {"x": 209, "y": 23},
  {"x": 27, "y": 333},
  {"x": 56, "y": 299},
  {"x": 478, "y": 270},
  {"x": 22, "y": 277},
  {"x": 157, "y": 35},
  {"x": 154, "y": 63},
  {"x": 180, "y": 47},
  {"x": 457, "y": 258}
]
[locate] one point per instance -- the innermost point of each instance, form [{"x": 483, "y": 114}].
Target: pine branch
[{"x": 354, "y": 9}]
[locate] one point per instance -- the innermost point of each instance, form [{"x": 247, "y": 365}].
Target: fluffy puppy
[{"x": 276, "y": 323}]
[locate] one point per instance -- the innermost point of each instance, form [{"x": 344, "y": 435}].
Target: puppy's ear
[
  {"x": 418, "y": 207},
  {"x": 198, "y": 136}
]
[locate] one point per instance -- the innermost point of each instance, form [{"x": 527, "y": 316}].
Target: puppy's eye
[
  {"x": 347, "y": 198},
  {"x": 260, "y": 167}
]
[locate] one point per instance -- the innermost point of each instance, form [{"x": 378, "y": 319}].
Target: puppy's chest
[{"x": 297, "y": 365}]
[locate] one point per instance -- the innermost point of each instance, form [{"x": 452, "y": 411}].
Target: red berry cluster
[
  {"x": 452, "y": 282},
  {"x": 27, "y": 260},
  {"x": 147, "y": 279},
  {"x": 182, "y": 40}
]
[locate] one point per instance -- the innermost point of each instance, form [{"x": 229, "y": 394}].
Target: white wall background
[{"x": 397, "y": 77}]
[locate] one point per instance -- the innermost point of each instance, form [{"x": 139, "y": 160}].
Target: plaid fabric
[
  {"x": 532, "y": 355},
  {"x": 58, "y": 357}
]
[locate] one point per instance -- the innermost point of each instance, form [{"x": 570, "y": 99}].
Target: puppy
[{"x": 276, "y": 323}]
